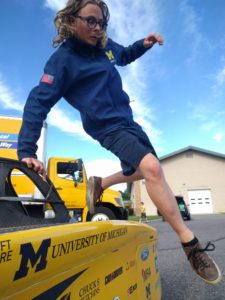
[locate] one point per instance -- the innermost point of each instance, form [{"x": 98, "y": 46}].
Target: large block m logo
[{"x": 36, "y": 259}]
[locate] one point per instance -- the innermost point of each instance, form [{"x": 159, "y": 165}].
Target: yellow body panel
[{"x": 110, "y": 260}]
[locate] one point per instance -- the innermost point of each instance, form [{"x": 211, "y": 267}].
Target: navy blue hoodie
[{"x": 87, "y": 79}]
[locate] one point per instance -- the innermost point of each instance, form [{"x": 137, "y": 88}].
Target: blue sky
[{"x": 178, "y": 89}]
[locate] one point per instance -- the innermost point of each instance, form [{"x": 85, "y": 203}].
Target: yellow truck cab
[
  {"x": 57, "y": 259},
  {"x": 70, "y": 180}
]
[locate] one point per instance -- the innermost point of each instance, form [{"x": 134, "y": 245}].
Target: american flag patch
[{"x": 47, "y": 78}]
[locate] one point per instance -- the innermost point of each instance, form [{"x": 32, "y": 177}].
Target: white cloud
[
  {"x": 8, "y": 98},
  {"x": 192, "y": 30},
  {"x": 55, "y": 4},
  {"x": 61, "y": 120},
  {"x": 128, "y": 18},
  {"x": 220, "y": 77},
  {"x": 199, "y": 111},
  {"x": 210, "y": 118},
  {"x": 218, "y": 81},
  {"x": 209, "y": 125},
  {"x": 104, "y": 168},
  {"x": 218, "y": 137}
]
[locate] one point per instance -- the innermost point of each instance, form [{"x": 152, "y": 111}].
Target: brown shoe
[
  {"x": 94, "y": 192},
  {"x": 202, "y": 264}
]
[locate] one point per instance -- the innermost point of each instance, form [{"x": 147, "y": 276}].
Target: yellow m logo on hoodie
[{"x": 110, "y": 55}]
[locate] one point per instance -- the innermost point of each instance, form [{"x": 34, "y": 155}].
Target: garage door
[{"x": 200, "y": 202}]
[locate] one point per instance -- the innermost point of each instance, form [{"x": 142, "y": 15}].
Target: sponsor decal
[
  {"x": 90, "y": 290},
  {"x": 158, "y": 283},
  {"x": 8, "y": 140},
  {"x": 8, "y": 136},
  {"x": 148, "y": 291},
  {"x": 146, "y": 273},
  {"x": 117, "y": 233},
  {"x": 74, "y": 245},
  {"x": 156, "y": 264},
  {"x": 47, "y": 78},
  {"x": 130, "y": 264},
  {"x": 55, "y": 291},
  {"x": 5, "y": 251},
  {"x": 145, "y": 254},
  {"x": 8, "y": 145},
  {"x": 85, "y": 242},
  {"x": 110, "y": 277},
  {"x": 131, "y": 289}
]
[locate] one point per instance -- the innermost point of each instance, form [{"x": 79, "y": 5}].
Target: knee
[{"x": 151, "y": 169}]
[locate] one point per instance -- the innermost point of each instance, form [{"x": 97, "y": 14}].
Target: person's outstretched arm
[{"x": 126, "y": 55}]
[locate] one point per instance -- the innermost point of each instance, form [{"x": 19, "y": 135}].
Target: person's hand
[
  {"x": 152, "y": 39},
  {"x": 37, "y": 165}
]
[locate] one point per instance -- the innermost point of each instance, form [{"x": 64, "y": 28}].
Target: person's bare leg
[
  {"x": 119, "y": 178},
  {"x": 158, "y": 190},
  {"x": 161, "y": 194}
]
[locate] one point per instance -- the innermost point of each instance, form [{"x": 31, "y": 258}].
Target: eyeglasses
[{"x": 92, "y": 22}]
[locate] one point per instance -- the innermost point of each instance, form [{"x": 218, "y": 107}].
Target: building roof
[{"x": 192, "y": 148}]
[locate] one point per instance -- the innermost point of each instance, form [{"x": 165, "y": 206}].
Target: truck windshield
[{"x": 70, "y": 171}]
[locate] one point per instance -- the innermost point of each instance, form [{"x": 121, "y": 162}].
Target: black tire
[{"x": 102, "y": 214}]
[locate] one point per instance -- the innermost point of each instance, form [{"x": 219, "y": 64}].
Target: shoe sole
[{"x": 90, "y": 195}]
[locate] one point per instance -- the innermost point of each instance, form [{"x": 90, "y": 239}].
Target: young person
[
  {"x": 143, "y": 212},
  {"x": 82, "y": 70}
]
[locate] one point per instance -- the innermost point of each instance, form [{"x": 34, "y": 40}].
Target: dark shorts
[{"x": 130, "y": 145}]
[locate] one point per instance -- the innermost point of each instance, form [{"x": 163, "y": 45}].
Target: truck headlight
[{"x": 119, "y": 201}]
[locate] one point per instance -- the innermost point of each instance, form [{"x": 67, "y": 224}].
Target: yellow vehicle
[
  {"x": 67, "y": 174},
  {"x": 57, "y": 259}
]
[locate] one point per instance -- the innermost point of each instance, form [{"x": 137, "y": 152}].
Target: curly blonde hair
[{"x": 62, "y": 20}]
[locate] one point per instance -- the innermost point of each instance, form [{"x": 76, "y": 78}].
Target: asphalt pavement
[{"x": 178, "y": 280}]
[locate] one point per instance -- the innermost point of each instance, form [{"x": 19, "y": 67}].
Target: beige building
[{"x": 194, "y": 173}]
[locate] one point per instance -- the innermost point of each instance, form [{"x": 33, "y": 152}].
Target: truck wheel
[{"x": 102, "y": 214}]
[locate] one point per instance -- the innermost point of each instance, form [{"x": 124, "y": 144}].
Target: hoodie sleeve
[
  {"x": 41, "y": 99},
  {"x": 126, "y": 55}
]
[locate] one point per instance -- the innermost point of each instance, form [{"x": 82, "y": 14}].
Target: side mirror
[{"x": 80, "y": 165}]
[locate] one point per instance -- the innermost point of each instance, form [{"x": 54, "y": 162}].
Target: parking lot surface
[{"x": 178, "y": 280}]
